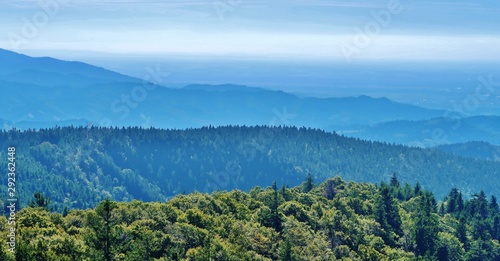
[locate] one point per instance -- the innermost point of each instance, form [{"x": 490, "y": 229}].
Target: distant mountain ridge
[
  {"x": 434, "y": 132},
  {"x": 46, "y": 92},
  {"x": 19, "y": 68},
  {"x": 50, "y": 90},
  {"x": 223, "y": 88},
  {"x": 473, "y": 149}
]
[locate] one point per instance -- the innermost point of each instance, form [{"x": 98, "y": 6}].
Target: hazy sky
[{"x": 312, "y": 29}]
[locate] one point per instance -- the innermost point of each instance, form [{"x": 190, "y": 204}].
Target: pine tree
[
  {"x": 65, "y": 211},
  {"x": 286, "y": 253},
  {"x": 495, "y": 228},
  {"x": 426, "y": 227},
  {"x": 40, "y": 201},
  {"x": 461, "y": 232},
  {"x": 308, "y": 184},
  {"x": 387, "y": 215},
  {"x": 494, "y": 209},
  {"x": 102, "y": 225},
  {"x": 443, "y": 254},
  {"x": 452, "y": 203},
  {"x": 394, "y": 181},
  {"x": 330, "y": 190},
  {"x": 482, "y": 205},
  {"x": 275, "y": 217},
  {"x": 418, "y": 189},
  {"x": 284, "y": 193}
]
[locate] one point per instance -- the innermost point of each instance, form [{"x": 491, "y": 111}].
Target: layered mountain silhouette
[
  {"x": 45, "y": 92},
  {"x": 435, "y": 132},
  {"x": 46, "y": 71},
  {"x": 50, "y": 90},
  {"x": 473, "y": 149}
]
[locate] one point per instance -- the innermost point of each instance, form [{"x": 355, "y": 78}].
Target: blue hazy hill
[
  {"x": 51, "y": 90},
  {"x": 434, "y": 132},
  {"x": 46, "y": 71},
  {"x": 473, "y": 149}
]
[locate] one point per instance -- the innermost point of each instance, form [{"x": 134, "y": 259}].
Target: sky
[{"x": 278, "y": 29}]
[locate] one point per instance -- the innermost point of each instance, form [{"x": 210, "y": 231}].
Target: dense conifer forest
[
  {"x": 243, "y": 193},
  {"x": 335, "y": 220},
  {"x": 78, "y": 167}
]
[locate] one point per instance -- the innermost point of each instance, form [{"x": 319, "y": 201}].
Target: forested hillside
[
  {"x": 336, "y": 220},
  {"x": 473, "y": 149},
  {"x": 79, "y": 167}
]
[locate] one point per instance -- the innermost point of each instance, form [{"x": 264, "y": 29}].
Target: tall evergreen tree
[
  {"x": 461, "y": 232},
  {"x": 452, "y": 202},
  {"x": 387, "y": 215},
  {"x": 494, "y": 209},
  {"x": 275, "y": 216},
  {"x": 102, "y": 224},
  {"x": 426, "y": 227},
  {"x": 285, "y": 193},
  {"x": 460, "y": 202},
  {"x": 330, "y": 190},
  {"x": 443, "y": 254},
  {"x": 394, "y": 181},
  {"x": 308, "y": 184},
  {"x": 495, "y": 227},
  {"x": 418, "y": 189},
  {"x": 286, "y": 252},
  {"x": 40, "y": 201}
]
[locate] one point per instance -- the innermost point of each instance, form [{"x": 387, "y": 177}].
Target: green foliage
[{"x": 359, "y": 222}]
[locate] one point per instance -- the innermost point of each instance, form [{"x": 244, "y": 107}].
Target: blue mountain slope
[
  {"x": 46, "y": 89},
  {"x": 25, "y": 69},
  {"x": 438, "y": 131},
  {"x": 473, "y": 149}
]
